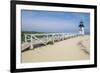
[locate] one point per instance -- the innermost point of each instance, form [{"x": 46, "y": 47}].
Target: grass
[{"x": 25, "y": 32}]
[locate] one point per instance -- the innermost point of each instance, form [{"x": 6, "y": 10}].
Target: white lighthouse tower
[{"x": 81, "y": 28}]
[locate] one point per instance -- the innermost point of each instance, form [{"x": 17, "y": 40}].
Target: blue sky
[{"x": 51, "y": 21}]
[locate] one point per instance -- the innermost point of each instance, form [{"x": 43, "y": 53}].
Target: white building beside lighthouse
[{"x": 81, "y": 28}]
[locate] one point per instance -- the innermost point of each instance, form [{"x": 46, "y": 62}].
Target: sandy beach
[{"x": 77, "y": 48}]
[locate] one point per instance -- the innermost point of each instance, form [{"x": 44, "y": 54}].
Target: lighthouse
[{"x": 81, "y": 28}]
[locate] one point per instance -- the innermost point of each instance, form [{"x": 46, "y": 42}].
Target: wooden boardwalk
[{"x": 34, "y": 39}]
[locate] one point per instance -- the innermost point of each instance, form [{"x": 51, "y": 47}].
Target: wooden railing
[{"x": 45, "y": 38}]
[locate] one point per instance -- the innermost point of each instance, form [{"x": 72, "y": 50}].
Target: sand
[{"x": 77, "y": 48}]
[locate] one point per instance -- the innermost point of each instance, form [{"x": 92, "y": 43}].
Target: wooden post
[
  {"x": 60, "y": 37},
  {"x": 57, "y": 37},
  {"x": 47, "y": 38},
  {"x": 25, "y": 37},
  {"x": 52, "y": 38},
  {"x": 31, "y": 46},
  {"x": 31, "y": 43},
  {"x": 63, "y": 36}
]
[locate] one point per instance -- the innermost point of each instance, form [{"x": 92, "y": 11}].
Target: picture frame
[{"x": 17, "y": 12}]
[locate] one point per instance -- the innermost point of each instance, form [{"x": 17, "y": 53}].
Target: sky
[{"x": 52, "y": 21}]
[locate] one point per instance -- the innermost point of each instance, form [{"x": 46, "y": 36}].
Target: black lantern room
[{"x": 81, "y": 24}]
